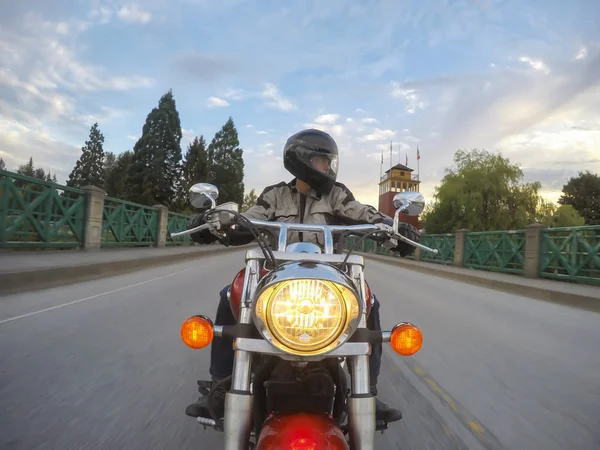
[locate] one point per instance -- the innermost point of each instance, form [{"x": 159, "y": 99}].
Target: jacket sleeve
[
  {"x": 352, "y": 212},
  {"x": 264, "y": 209},
  {"x": 265, "y": 206}
]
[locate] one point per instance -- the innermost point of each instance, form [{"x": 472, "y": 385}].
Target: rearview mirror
[
  {"x": 410, "y": 203},
  {"x": 203, "y": 196}
]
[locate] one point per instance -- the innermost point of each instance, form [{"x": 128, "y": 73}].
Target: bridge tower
[{"x": 399, "y": 178}]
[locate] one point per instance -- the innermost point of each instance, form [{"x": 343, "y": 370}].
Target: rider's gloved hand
[
  {"x": 410, "y": 232},
  {"x": 204, "y": 236},
  {"x": 407, "y": 230}
]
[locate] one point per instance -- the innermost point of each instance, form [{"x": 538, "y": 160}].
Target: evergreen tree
[
  {"x": 89, "y": 168},
  {"x": 27, "y": 169},
  {"x": 115, "y": 174},
  {"x": 196, "y": 165},
  {"x": 155, "y": 169},
  {"x": 249, "y": 200},
  {"x": 227, "y": 164}
]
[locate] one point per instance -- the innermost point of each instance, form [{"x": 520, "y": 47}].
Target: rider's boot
[
  {"x": 383, "y": 411},
  {"x": 200, "y": 407}
]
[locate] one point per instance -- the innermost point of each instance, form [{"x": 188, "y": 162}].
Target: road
[{"x": 100, "y": 364}]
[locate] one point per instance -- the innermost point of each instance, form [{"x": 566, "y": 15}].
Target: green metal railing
[
  {"x": 176, "y": 223},
  {"x": 571, "y": 254},
  {"x": 128, "y": 224},
  {"x": 36, "y": 214},
  {"x": 498, "y": 251},
  {"x": 445, "y": 243},
  {"x": 40, "y": 214}
]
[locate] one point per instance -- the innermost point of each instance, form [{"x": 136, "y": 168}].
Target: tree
[
  {"x": 249, "y": 200},
  {"x": 89, "y": 168},
  {"x": 154, "y": 174},
  {"x": 2, "y": 164},
  {"x": 115, "y": 173},
  {"x": 227, "y": 164},
  {"x": 28, "y": 169},
  {"x": 553, "y": 216},
  {"x": 195, "y": 169},
  {"x": 583, "y": 194},
  {"x": 484, "y": 192},
  {"x": 196, "y": 165}
]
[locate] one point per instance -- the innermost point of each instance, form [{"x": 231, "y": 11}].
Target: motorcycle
[{"x": 301, "y": 315}]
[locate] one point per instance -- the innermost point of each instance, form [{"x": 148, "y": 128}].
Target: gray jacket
[{"x": 282, "y": 202}]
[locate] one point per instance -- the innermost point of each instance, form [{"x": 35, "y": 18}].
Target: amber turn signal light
[
  {"x": 406, "y": 339},
  {"x": 197, "y": 332}
]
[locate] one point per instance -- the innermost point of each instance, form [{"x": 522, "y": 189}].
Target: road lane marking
[
  {"x": 484, "y": 437},
  {"x": 81, "y": 300}
]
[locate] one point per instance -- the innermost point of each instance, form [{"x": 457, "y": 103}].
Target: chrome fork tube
[
  {"x": 238, "y": 401},
  {"x": 361, "y": 404}
]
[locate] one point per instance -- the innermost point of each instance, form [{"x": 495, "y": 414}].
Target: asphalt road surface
[{"x": 100, "y": 364}]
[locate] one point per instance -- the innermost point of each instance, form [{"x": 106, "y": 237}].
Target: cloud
[
  {"x": 327, "y": 119},
  {"x": 536, "y": 64},
  {"x": 278, "y": 101},
  {"x": 369, "y": 120},
  {"x": 216, "y": 102},
  {"x": 133, "y": 14},
  {"x": 410, "y": 97},
  {"x": 195, "y": 66},
  {"x": 379, "y": 135}
]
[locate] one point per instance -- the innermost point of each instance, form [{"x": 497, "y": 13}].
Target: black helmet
[{"x": 301, "y": 152}]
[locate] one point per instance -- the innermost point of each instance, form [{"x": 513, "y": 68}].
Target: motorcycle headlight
[{"x": 306, "y": 316}]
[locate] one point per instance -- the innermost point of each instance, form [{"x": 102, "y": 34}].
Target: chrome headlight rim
[{"x": 323, "y": 272}]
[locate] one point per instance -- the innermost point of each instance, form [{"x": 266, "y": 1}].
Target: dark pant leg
[
  {"x": 221, "y": 352},
  {"x": 373, "y": 323}
]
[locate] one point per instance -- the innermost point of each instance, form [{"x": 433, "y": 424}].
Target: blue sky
[{"x": 521, "y": 77}]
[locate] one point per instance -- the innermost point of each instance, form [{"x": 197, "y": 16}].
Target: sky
[{"x": 517, "y": 77}]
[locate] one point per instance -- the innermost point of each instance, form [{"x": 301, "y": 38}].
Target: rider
[{"x": 312, "y": 197}]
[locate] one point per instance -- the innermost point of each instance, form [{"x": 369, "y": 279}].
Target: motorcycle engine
[{"x": 309, "y": 388}]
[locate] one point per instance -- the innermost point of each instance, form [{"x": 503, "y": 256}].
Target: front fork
[{"x": 239, "y": 400}]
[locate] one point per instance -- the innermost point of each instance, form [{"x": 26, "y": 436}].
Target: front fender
[{"x": 301, "y": 432}]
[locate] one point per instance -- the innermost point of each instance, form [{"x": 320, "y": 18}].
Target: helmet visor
[{"x": 325, "y": 163}]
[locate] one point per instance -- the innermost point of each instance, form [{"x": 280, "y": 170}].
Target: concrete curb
[
  {"x": 37, "y": 279},
  {"x": 575, "y": 300}
]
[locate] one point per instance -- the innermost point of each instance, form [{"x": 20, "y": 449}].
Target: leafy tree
[
  {"x": 2, "y": 164},
  {"x": 249, "y": 200},
  {"x": 89, "y": 168},
  {"x": 115, "y": 173},
  {"x": 583, "y": 194},
  {"x": 553, "y": 216},
  {"x": 155, "y": 170},
  {"x": 227, "y": 164},
  {"x": 483, "y": 192}
]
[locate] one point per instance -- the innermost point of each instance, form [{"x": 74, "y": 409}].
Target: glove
[
  {"x": 410, "y": 232},
  {"x": 204, "y": 236},
  {"x": 406, "y": 230}
]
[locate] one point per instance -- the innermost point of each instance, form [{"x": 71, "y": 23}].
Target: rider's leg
[
  {"x": 221, "y": 363},
  {"x": 383, "y": 411}
]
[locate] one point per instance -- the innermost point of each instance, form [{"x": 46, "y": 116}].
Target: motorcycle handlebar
[{"x": 328, "y": 230}]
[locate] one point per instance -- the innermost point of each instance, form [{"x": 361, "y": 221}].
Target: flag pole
[
  {"x": 418, "y": 164},
  {"x": 390, "y": 157},
  {"x": 381, "y": 166}
]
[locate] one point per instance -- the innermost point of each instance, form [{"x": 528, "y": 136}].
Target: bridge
[{"x": 91, "y": 354}]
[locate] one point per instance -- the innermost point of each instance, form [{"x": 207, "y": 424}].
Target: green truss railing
[{"x": 40, "y": 214}]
